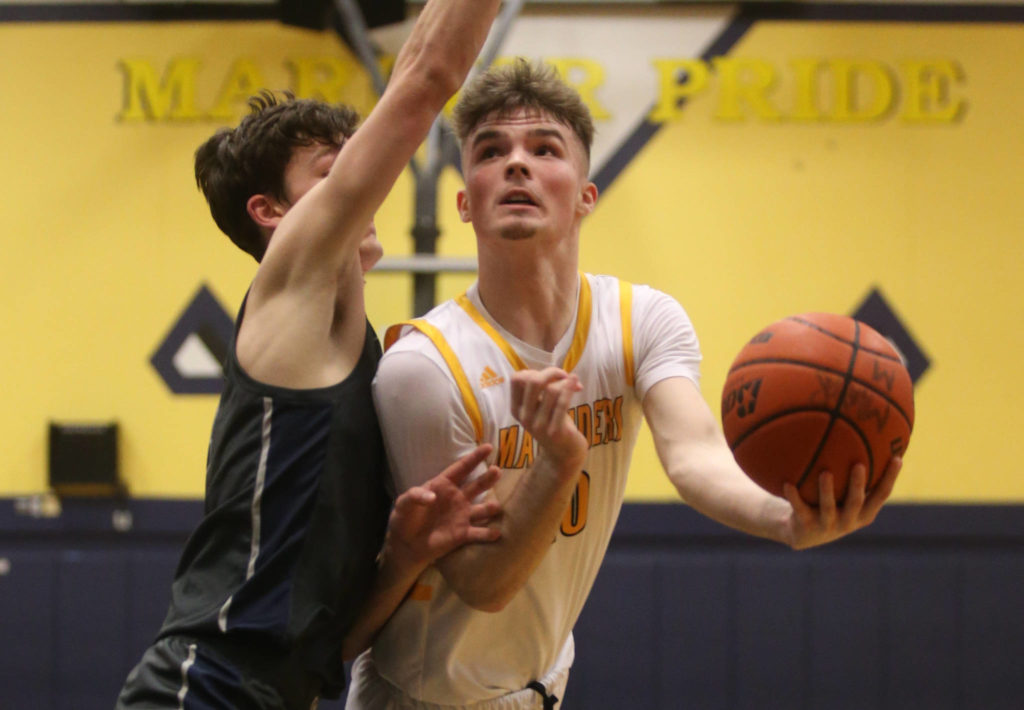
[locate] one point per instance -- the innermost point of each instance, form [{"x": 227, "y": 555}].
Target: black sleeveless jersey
[{"x": 295, "y": 513}]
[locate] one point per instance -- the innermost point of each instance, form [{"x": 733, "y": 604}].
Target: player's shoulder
[
  {"x": 421, "y": 335},
  {"x": 409, "y": 363},
  {"x": 604, "y": 282},
  {"x": 642, "y": 295}
]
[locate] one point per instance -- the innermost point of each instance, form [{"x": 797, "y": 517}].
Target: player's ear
[
  {"x": 462, "y": 202},
  {"x": 264, "y": 210},
  {"x": 588, "y": 199}
]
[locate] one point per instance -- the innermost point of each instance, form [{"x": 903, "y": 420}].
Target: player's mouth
[{"x": 518, "y": 198}]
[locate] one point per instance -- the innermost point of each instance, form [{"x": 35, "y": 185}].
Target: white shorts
[{"x": 370, "y": 691}]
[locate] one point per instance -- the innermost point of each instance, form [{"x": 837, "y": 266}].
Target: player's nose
[{"x": 516, "y": 163}]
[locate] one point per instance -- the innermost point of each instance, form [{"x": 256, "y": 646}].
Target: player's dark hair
[
  {"x": 236, "y": 163},
  {"x": 504, "y": 90}
]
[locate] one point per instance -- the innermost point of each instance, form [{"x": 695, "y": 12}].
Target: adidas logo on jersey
[{"x": 489, "y": 378}]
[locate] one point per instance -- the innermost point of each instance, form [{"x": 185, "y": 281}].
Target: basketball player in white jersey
[{"x": 556, "y": 369}]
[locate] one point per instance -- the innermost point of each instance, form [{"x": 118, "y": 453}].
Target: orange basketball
[{"x": 816, "y": 392}]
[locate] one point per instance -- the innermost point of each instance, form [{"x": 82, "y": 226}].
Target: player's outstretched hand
[
  {"x": 540, "y": 402},
  {"x": 810, "y": 526},
  {"x": 431, "y": 520}
]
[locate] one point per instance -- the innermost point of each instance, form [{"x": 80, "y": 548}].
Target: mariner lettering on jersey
[{"x": 600, "y": 422}]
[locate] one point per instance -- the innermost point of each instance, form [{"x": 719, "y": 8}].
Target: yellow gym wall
[{"x": 747, "y": 204}]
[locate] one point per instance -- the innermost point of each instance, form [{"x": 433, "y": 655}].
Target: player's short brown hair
[
  {"x": 503, "y": 90},
  {"x": 236, "y": 163}
]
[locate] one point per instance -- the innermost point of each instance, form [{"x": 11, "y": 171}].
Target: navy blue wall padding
[{"x": 919, "y": 610}]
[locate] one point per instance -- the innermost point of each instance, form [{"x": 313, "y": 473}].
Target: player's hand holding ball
[{"x": 818, "y": 393}]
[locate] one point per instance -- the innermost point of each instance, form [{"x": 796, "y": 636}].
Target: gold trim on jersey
[
  {"x": 485, "y": 325},
  {"x": 584, "y": 310},
  {"x": 579, "y": 339},
  {"x": 626, "y": 312},
  {"x": 468, "y": 398}
]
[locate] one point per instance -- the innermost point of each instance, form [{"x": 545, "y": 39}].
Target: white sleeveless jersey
[{"x": 436, "y": 648}]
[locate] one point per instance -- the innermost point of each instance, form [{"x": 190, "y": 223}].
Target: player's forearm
[
  {"x": 709, "y": 480},
  {"x": 487, "y": 577},
  {"x": 445, "y": 41},
  {"x": 700, "y": 465},
  {"x": 391, "y": 585},
  {"x": 430, "y": 68}
]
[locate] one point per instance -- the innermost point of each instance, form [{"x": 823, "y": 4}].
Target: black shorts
[{"x": 179, "y": 672}]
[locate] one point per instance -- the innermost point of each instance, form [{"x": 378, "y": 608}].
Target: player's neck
[{"x": 533, "y": 301}]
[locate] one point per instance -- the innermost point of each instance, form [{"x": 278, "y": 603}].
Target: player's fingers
[
  {"x": 560, "y": 408},
  {"x": 888, "y": 479},
  {"x": 482, "y": 483},
  {"x": 546, "y": 379},
  {"x": 826, "y": 499},
  {"x": 524, "y": 399},
  {"x": 517, "y": 391},
  {"x": 545, "y": 400},
  {"x": 792, "y": 494},
  {"x": 483, "y": 534},
  {"x": 526, "y": 384},
  {"x": 800, "y": 507},
  {"x": 460, "y": 470},
  {"x": 853, "y": 503},
  {"x": 880, "y": 493},
  {"x": 417, "y": 495},
  {"x": 548, "y": 406},
  {"x": 536, "y": 408},
  {"x": 551, "y": 374},
  {"x": 482, "y": 513},
  {"x": 555, "y": 400},
  {"x": 525, "y": 387}
]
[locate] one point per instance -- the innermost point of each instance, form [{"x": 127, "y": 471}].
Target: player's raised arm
[
  {"x": 307, "y": 295},
  {"x": 431, "y": 66}
]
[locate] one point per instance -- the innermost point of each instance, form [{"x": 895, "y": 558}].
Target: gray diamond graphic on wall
[
  {"x": 190, "y": 358},
  {"x": 879, "y": 314}
]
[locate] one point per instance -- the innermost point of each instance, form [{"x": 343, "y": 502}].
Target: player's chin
[{"x": 517, "y": 231}]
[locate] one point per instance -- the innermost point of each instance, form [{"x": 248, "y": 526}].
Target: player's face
[
  {"x": 307, "y": 167},
  {"x": 526, "y": 174}
]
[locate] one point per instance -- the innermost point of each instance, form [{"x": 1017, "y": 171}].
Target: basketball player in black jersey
[{"x": 296, "y": 563}]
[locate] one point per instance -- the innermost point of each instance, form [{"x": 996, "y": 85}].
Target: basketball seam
[
  {"x": 880, "y": 354},
  {"x": 841, "y": 339},
  {"x": 735, "y": 445},
  {"x": 837, "y": 410},
  {"x": 778, "y": 415},
  {"x": 814, "y": 326},
  {"x": 821, "y": 368}
]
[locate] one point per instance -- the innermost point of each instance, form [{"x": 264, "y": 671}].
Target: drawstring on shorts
[{"x": 549, "y": 700}]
